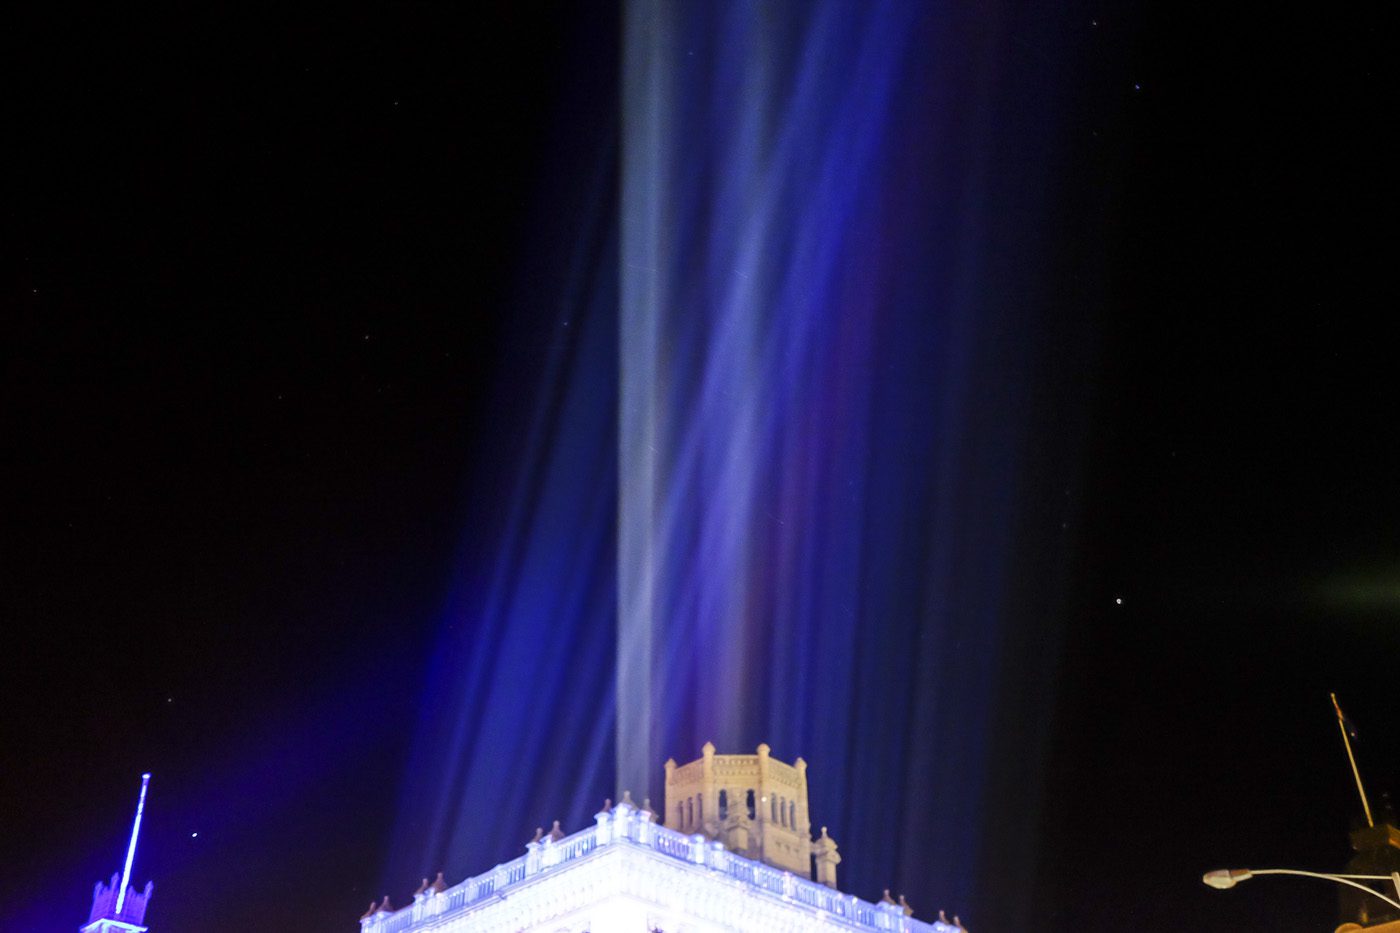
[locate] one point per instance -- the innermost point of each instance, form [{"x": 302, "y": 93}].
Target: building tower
[
  {"x": 755, "y": 805},
  {"x": 117, "y": 907}
]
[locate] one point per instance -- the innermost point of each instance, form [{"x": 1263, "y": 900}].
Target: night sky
[{"x": 284, "y": 294}]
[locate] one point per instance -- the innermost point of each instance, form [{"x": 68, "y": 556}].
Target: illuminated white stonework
[{"x": 627, "y": 874}]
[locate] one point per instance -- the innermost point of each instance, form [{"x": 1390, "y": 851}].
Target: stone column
[
  {"x": 761, "y": 806},
  {"x": 670, "y": 803},
  {"x": 827, "y": 858},
  {"x": 707, "y": 790}
]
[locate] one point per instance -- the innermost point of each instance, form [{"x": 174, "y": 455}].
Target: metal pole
[{"x": 1346, "y": 740}]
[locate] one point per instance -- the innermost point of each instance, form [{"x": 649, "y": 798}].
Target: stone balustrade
[{"x": 626, "y": 825}]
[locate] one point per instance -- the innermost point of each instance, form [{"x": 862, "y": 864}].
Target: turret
[{"x": 755, "y": 805}]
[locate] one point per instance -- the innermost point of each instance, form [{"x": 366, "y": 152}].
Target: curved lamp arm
[{"x": 1228, "y": 878}]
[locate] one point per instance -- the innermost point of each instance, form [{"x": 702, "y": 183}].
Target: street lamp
[{"x": 1229, "y": 877}]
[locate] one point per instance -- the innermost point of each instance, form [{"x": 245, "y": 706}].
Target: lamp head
[{"x": 1226, "y": 877}]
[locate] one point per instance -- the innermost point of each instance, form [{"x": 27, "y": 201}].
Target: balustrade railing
[{"x": 627, "y": 825}]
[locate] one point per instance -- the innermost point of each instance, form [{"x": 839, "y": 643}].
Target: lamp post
[{"x": 1229, "y": 877}]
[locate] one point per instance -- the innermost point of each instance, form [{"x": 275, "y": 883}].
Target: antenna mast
[
  {"x": 131, "y": 848},
  {"x": 1346, "y": 740}
]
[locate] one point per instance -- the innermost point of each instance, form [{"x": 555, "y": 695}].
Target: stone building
[{"x": 734, "y": 854}]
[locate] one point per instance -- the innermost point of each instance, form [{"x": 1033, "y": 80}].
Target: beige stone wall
[{"x": 754, "y": 804}]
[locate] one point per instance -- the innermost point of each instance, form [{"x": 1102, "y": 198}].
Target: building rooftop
[{"x": 651, "y": 871}]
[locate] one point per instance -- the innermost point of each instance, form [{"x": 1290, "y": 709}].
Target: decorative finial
[
  {"x": 908, "y": 911},
  {"x": 556, "y": 833},
  {"x": 627, "y": 799},
  {"x": 368, "y": 913},
  {"x": 647, "y": 811},
  {"x": 439, "y": 884},
  {"x": 385, "y": 906},
  {"x": 763, "y": 749},
  {"x": 539, "y": 834},
  {"x": 421, "y": 888},
  {"x": 607, "y": 804},
  {"x": 958, "y": 923},
  {"x": 707, "y": 749},
  {"x": 942, "y": 917},
  {"x": 887, "y": 899}
]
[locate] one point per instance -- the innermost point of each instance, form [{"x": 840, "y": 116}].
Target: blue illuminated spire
[{"x": 115, "y": 906}]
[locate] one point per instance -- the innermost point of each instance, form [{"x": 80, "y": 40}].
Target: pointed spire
[{"x": 131, "y": 847}]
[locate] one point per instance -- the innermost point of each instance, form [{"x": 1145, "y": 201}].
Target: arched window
[
  {"x": 749, "y": 802},
  {"x": 792, "y": 814},
  {"x": 724, "y": 805},
  {"x": 690, "y": 813},
  {"x": 782, "y": 811},
  {"x": 773, "y": 808},
  {"x": 700, "y": 808}
]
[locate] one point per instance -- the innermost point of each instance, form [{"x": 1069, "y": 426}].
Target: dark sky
[{"x": 277, "y": 294}]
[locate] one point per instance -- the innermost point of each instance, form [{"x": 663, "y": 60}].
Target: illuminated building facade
[
  {"x": 734, "y": 855},
  {"x": 116, "y": 906}
]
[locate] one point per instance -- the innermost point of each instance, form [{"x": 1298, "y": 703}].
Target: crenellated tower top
[{"x": 755, "y": 805}]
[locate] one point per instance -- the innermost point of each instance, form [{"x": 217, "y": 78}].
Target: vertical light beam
[{"x": 645, "y": 92}]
